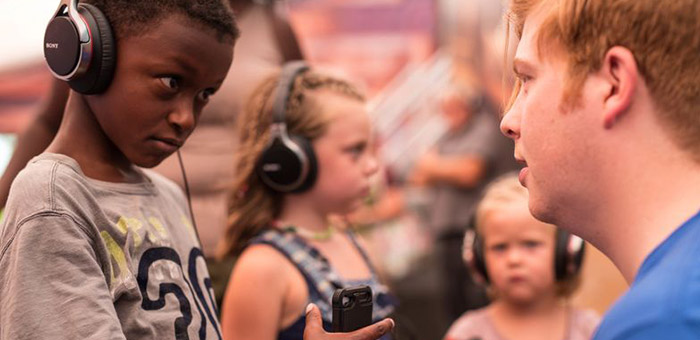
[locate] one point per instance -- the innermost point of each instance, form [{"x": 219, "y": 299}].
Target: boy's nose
[
  {"x": 510, "y": 124},
  {"x": 182, "y": 118}
]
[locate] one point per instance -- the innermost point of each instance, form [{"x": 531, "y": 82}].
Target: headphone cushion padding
[
  {"x": 99, "y": 74},
  {"x": 567, "y": 262},
  {"x": 312, "y": 174},
  {"x": 560, "y": 254},
  {"x": 479, "y": 261}
]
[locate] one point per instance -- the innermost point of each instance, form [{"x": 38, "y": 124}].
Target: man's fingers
[
  {"x": 314, "y": 328},
  {"x": 314, "y": 324},
  {"x": 374, "y": 331}
]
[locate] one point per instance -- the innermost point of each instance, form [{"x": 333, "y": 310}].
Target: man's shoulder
[
  {"x": 649, "y": 318},
  {"x": 666, "y": 299}
]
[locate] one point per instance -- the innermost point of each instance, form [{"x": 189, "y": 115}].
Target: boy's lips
[
  {"x": 523, "y": 175},
  {"x": 523, "y": 172},
  {"x": 172, "y": 141},
  {"x": 166, "y": 144}
]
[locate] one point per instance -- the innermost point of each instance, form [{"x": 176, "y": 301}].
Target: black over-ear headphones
[
  {"x": 79, "y": 47},
  {"x": 288, "y": 162},
  {"x": 568, "y": 254}
]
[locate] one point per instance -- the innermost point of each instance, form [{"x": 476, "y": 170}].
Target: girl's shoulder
[
  {"x": 261, "y": 259},
  {"x": 472, "y": 324},
  {"x": 270, "y": 253},
  {"x": 261, "y": 269},
  {"x": 583, "y": 323}
]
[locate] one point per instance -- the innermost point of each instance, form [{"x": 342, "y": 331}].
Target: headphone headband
[
  {"x": 288, "y": 162},
  {"x": 81, "y": 26},
  {"x": 284, "y": 87}
]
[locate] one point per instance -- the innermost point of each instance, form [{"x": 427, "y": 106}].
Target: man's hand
[{"x": 314, "y": 328}]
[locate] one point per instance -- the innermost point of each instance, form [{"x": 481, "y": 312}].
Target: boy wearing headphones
[
  {"x": 605, "y": 118},
  {"x": 531, "y": 268},
  {"x": 92, "y": 245}
]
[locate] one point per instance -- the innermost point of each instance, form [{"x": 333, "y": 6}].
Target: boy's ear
[{"x": 619, "y": 71}]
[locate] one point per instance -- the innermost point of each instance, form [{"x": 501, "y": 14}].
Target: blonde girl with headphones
[
  {"x": 305, "y": 158},
  {"x": 530, "y": 268}
]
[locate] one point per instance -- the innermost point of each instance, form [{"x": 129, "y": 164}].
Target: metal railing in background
[{"x": 406, "y": 113}]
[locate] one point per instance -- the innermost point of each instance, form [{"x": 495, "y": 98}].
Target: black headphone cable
[{"x": 189, "y": 200}]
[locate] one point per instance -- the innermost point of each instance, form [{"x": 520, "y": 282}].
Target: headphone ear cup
[
  {"x": 474, "y": 256},
  {"x": 278, "y": 166},
  {"x": 560, "y": 255},
  {"x": 577, "y": 249},
  {"x": 568, "y": 255},
  {"x": 312, "y": 173},
  {"x": 281, "y": 165},
  {"x": 99, "y": 74},
  {"x": 479, "y": 262},
  {"x": 62, "y": 46}
]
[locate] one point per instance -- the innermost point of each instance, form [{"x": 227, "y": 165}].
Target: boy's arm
[
  {"x": 52, "y": 283},
  {"x": 37, "y": 136}
]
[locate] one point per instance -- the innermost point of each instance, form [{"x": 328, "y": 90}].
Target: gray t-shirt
[
  {"x": 86, "y": 259},
  {"x": 454, "y": 206}
]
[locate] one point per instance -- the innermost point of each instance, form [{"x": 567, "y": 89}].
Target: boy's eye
[
  {"x": 204, "y": 95},
  {"x": 170, "y": 82}
]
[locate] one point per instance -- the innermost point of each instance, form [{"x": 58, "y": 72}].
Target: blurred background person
[
  {"x": 531, "y": 268},
  {"x": 470, "y": 154}
]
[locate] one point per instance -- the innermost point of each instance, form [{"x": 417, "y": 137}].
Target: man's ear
[{"x": 619, "y": 70}]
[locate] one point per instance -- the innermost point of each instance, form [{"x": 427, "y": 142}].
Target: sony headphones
[
  {"x": 568, "y": 254},
  {"x": 288, "y": 162},
  {"x": 79, "y": 47}
]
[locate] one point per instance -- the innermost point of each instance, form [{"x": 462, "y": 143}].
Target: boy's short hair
[
  {"x": 134, "y": 17},
  {"x": 506, "y": 190},
  {"x": 662, "y": 35}
]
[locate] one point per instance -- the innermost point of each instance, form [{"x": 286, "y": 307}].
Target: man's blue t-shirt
[{"x": 663, "y": 302}]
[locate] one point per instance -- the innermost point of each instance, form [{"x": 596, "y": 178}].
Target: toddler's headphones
[
  {"x": 288, "y": 162},
  {"x": 568, "y": 254},
  {"x": 79, "y": 47}
]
